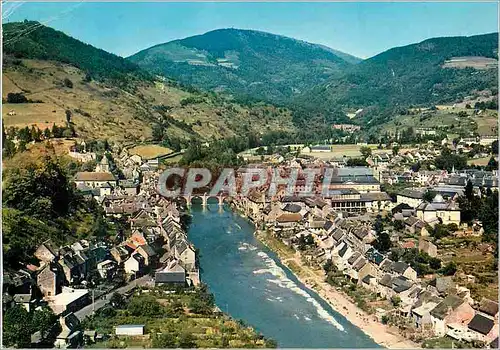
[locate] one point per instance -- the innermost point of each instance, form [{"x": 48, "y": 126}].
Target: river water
[{"x": 250, "y": 284}]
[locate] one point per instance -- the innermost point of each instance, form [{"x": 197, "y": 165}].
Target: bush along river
[{"x": 249, "y": 283}]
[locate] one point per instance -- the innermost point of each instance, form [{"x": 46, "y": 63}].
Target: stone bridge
[{"x": 204, "y": 198}]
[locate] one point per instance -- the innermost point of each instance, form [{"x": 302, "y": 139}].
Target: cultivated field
[
  {"x": 42, "y": 115},
  {"x": 479, "y": 161},
  {"x": 476, "y": 62},
  {"x": 149, "y": 151},
  {"x": 487, "y": 123}
]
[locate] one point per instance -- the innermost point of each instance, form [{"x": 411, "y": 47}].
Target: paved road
[{"x": 99, "y": 303}]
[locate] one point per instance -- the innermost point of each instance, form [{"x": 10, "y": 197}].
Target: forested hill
[
  {"x": 413, "y": 74},
  {"x": 108, "y": 97},
  {"x": 249, "y": 63},
  {"x": 30, "y": 39}
]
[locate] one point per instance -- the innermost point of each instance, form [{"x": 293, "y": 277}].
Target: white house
[
  {"x": 446, "y": 212},
  {"x": 130, "y": 329},
  {"x": 134, "y": 263}
]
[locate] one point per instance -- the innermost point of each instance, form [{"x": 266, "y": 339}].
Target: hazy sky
[{"x": 361, "y": 29}]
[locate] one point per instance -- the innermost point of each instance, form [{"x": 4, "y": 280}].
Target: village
[{"x": 153, "y": 248}]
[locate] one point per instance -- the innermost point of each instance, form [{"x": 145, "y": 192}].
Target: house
[
  {"x": 135, "y": 263},
  {"x": 288, "y": 219},
  {"x": 120, "y": 254},
  {"x": 148, "y": 253},
  {"x": 446, "y": 212},
  {"x": 69, "y": 300},
  {"x": 185, "y": 252},
  {"x": 362, "y": 183},
  {"x": 130, "y": 329},
  {"x": 25, "y": 300},
  {"x": 484, "y": 326},
  {"x": 131, "y": 188},
  {"x": 50, "y": 279},
  {"x": 70, "y": 268},
  {"x": 95, "y": 179},
  {"x": 173, "y": 273},
  {"x": 421, "y": 310},
  {"x": 489, "y": 308},
  {"x": 106, "y": 268},
  {"x": 427, "y": 247},
  {"x": 410, "y": 196},
  {"x": 46, "y": 252},
  {"x": 70, "y": 336},
  {"x": 441, "y": 285},
  {"x": 452, "y": 310}
]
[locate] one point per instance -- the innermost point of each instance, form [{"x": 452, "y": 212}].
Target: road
[{"x": 87, "y": 310}]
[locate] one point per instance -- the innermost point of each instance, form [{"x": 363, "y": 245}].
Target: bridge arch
[{"x": 221, "y": 198}]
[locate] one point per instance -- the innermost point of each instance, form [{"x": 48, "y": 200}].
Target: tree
[
  {"x": 87, "y": 78},
  {"x": 16, "y": 97},
  {"x": 434, "y": 263},
  {"x": 68, "y": 116},
  {"x": 447, "y": 161},
  {"x": 271, "y": 343},
  {"x": 164, "y": 341},
  {"x": 67, "y": 133},
  {"x": 492, "y": 164},
  {"x": 186, "y": 340},
  {"x": 43, "y": 319},
  {"x": 117, "y": 300},
  {"x": 365, "y": 151},
  {"x": 416, "y": 167},
  {"x": 17, "y": 327},
  {"x": 68, "y": 83},
  {"x": 39, "y": 187},
  {"x": 395, "y": 150},
  {"x": 494, "y": 147},
  {"x": 383, "y": 242},
  {"x": 396, "y": 301},
  {"x": 449, "y": 269},
  {"x": 398, "y": 225},
  {"x": 429, "y": 196},
  {"x": 144, "y": 306},
  {"x": 329, "y": 266}
]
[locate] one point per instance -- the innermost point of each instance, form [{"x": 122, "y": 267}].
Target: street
[{"x": 99, "y": 303}]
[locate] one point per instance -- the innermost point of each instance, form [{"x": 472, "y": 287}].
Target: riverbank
[{"x": 315, "y": 280}]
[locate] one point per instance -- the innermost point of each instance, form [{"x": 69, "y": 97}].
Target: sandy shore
[{"x": 380, "y": 333}]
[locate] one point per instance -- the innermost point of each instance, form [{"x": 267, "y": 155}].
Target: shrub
[
  {"x": 16, "y": 97},
  {"x": 68, "y": 83}
]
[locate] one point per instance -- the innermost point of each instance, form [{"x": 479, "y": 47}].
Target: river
[{"x": 249, "y": 283}]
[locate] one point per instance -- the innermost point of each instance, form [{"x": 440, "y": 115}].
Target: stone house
[
  {"x": 46, "y": 252},
  {"x": 452, "y": 310},
  {"x": 148, "y": 253},
  {"x": 184, "y": 252},
  {"x": 50, "y": 279},
  {"x": 120, "y": 254},
  {"x": 404, "y": 269}
]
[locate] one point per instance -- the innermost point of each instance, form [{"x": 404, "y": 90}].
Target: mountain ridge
[{"x": 244, "y": 62}]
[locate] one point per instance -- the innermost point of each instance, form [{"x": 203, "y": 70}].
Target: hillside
[
  {"x": 39, "y": 64},
  {"x": 245, "y": 63},
  {"x": 410, "y": 75},
  {"x": 31, "y": 39}
]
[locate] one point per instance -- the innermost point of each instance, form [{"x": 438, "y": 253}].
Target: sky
[{"x": 361, "y": 29}]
